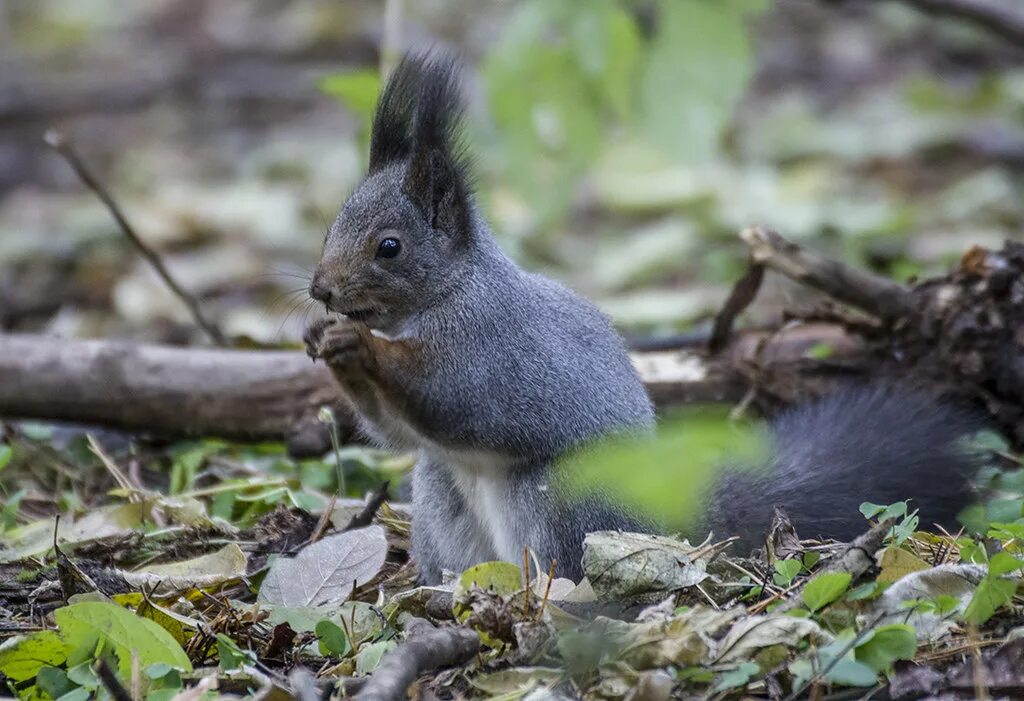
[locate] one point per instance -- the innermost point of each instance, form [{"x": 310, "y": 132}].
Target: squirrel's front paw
[{"x": 339, "y": 343}]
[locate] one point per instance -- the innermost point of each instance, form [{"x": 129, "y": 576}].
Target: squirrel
[{"x": 447, "y": 347}]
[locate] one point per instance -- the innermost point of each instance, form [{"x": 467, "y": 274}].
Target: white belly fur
[{"x": 482, "y": 480}]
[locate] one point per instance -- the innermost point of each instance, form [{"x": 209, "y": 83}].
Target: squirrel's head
[{"x": 397, "y": 238}]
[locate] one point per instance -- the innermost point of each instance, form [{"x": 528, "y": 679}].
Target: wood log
[{"x": 276, "y": 395}]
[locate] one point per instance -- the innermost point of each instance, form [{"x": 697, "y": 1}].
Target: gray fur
[
  {"x": 515, "y": 370},
  {"x": 874, "y": 443}
]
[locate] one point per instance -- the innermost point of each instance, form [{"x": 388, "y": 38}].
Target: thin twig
[
  {"x": 110, "y": 681},
  {"x": 526, "y": 576},
  {"x": 999, "y": 16},
  {"x": 324, "y": 521},
  {"x": 61, "y": 145},
  {"x": 365, "y": 517},
  {"x": 119, "y": 476},
  {"x": 547, "y": 590},
  {"x": 743, "y": 293}
]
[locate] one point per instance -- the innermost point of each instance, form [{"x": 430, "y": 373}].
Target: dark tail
[{"x": 875, "y": 443}]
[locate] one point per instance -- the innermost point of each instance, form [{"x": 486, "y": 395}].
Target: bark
[
  {"x": 275, "y": 395},
  {"x": 426, "y": 649}
]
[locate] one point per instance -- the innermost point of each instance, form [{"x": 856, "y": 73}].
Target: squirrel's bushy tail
[{"x": 875, "y": 443}]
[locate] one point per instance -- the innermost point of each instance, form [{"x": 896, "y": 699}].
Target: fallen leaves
[{"x": 327, "y": 571}]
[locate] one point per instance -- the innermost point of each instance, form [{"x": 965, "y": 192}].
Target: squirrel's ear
[
  {"x": 435, "y": 184},
  {"x": 391, "y": 134},
  {"x": 437, "y": 177}
]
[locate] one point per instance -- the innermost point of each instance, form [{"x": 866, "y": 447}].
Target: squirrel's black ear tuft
[
  {"x": 438, "y": 174},
  {"x": 391, "y": 134}
]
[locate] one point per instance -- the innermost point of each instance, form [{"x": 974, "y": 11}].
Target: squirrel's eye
[{"x": 389, "y": 248}]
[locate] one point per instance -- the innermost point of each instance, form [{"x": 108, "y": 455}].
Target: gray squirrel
[{"x": 445, "y": 346}]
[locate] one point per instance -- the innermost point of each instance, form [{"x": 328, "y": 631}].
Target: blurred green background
[{"x": 621, "y": 144}]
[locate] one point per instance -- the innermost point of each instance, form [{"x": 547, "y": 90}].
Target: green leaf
[
  {"x": 231, "y": 655},
  {"x": 54, "y": 682},
  {"x": 6, "y": 453},
  {"x": 736, "y": 678},
  {"x": 865, "y": 591},
  {"x": 637, "y": 470},
  {"x": 358, "y": 90},
  {"x": 852, "y": 673},
  {"x": 158, "y": 670},
  {"x": 502, "y": 578},
  {"x": 881, "y": 513},
  {"x": 825, "y": 588},
  {"x": 1003, "y": 563},
  {"x": 686, "y": 107},
  {"x": 333, "y": 640},
  {"x": 22, "y": 657},
  {"x": 992, "y": 593},
  {"x": 886, "y": 644},
  {"x": 79, "y": 694},
  {"x": 120, "y": 631},
  {"x": 369, "y": 656},
  {"x": 786, "y": 571}
]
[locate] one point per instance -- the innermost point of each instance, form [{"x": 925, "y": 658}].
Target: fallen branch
[
  {"x": 276, "y": 395},
  {"x": 957, "y": 331},
  {"x": 876, "y": 295},
  {"x": 857, "y": 559},
  {"x": 60, "y": 145},
  {"x": 243, "y": 395},
  {"x": 426, "y": 649},
  {"x": 1000, "y": 16}
]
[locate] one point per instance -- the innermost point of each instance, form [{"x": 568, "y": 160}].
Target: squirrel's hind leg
[{"x": 446, "y": 534}]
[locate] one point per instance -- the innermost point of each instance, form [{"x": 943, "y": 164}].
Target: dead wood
[
  {"x": 961, "y": 333},
  {"x": 1003, "y": 18},
  {"x": 245, "y": 395},
  {"x": 426, "y": 649},
  {"x": 876, "y": 295},
  {"x": 275, "y": 395}
]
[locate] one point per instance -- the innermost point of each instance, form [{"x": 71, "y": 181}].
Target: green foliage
[
  {"x": 995, "y": 590},
  {"x": 102, "y": 625},
  {"x": 735, "y": 678},
  {"x": 583, "y": 650},
  {"x": 905, "y": 526},
  {"x": 825, "y": 588},
  {"x": 883, "y": 646},
  {"x": 834, "y": 663},
  {"x": 558, "y": 72},
  {"x": 684, "y": 106},
  {"x": 62, "y": 660},
  {"x": 369, "y": 656},
  {"x": 21, "y": 658},
  {"x": 567, "y": 75},
  {"x": 230, "y": 655},
  {"x": 786, "y": 571},
  {"x": 332, "y": 639},
  {"x": 358, "y": 91},
  {"x": 667, "y": 476},
  {"x": 567, "y": 79}
]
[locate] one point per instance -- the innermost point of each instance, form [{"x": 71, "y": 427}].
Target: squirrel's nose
[{"x": 319, "y": 291}]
